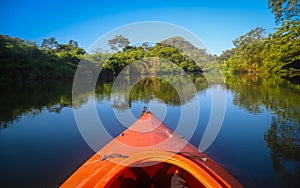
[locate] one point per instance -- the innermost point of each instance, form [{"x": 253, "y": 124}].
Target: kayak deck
[{"x": 148, "y": 154}]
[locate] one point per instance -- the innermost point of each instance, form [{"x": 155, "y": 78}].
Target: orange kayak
[{"x": 149, "y": 154}]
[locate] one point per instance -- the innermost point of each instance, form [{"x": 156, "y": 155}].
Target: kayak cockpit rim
[{"x": 204, "y": 176}]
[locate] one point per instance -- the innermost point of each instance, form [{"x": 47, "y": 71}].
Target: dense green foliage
[
  {"x": 277, "y": 53},
  {"x": 200, "y": 56},
  {"x": 285, "y": 9},
  {"x": 164, "y": 55},
  {"x": 246, "y": 54},
  {"x": 22, "y": 60},
  {"x": 255, "y": 53}
]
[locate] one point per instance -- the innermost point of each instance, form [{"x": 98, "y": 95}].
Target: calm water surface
[{"x": 41, "y": 146}]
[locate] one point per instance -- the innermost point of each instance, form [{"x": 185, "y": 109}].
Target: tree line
[
  {"x": 163, "y": 57},
  {"x": 23, "y": 60},
  {"x": 254, "y": 52},
  {"x": 276, "y": 53}
]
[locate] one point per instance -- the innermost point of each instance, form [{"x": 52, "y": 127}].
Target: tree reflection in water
[
  {"x": 32, "y": 99},
  {"x": 150, "y": 88},
  {"x": 257, "y": 93},
  {"x": 283, "y": 139}
]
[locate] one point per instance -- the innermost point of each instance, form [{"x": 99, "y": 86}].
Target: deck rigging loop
[
  {"x": 113, "y": 155},
  {"x": 190, "y": 155}
]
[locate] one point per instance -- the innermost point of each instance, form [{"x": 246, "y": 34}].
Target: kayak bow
[{"x": 149, "y": 154}]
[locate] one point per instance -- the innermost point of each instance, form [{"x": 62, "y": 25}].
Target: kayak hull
[{"x": 149, "y": 151}]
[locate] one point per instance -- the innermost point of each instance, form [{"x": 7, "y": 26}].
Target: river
[{"x": 258, "y": 143}]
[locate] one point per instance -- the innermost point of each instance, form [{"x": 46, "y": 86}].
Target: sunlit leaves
[
  {"x": 255, "y": 53},
  {"x": 132, "y": 54},
  {"x": 285, "y": 9},
  {"x": 22, "y": 60}
]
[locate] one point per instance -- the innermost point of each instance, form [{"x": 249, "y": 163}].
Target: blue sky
[{"x": 215, "y": 22}]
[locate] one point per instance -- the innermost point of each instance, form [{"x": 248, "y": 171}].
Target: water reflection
[
  {"x": 150, "y": 88},
  {"x": 31, "y": 99},
  {"x": 256, "y": 93},
  {"x": 283, "y": 139}
]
